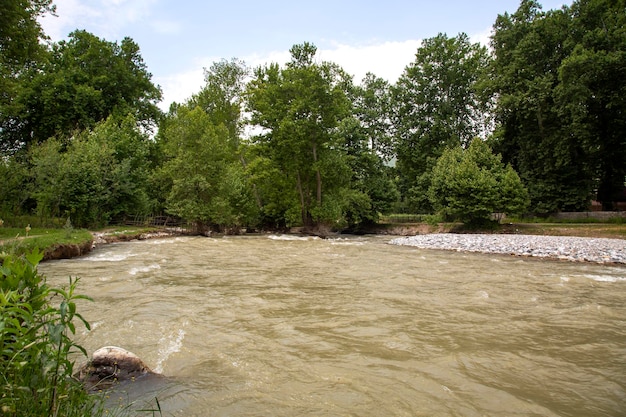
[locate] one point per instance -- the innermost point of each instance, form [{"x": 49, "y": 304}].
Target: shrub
[
  {"x": 471, "y": 184},
  {"x": 36, "y": 373}
]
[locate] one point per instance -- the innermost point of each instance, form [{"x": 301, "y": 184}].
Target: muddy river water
[{"x": 290, "y": 326}]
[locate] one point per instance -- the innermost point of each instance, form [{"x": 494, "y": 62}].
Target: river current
[{"x": 291, "y": 326}]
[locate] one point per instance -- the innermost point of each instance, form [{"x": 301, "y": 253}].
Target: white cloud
[
  {"x": 386, "y": 60},
  {"x": 482, "y": 37},
  {"x": 180, "y": 86},
  {"x": 104, "y": 18}
]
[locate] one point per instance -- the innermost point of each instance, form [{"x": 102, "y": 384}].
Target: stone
[{"x": 111, "y": 365}]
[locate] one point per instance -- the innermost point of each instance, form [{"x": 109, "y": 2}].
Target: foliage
[
  {"x": 16, "y": 187},
  {"x": 36, "y": 343},
  {"x": 471, "y": 184},
  {"x": 298, "y": 108},
  {"x": 83, "y": 82},
  {"x": 21, "y": 48},
  {"x": 559, "y": 76},
  {"x": 101, "y": 174},
  {"x": 372, "y": 190},
  {"x": 207, "y": 183},
  {"x": 437, "y": 104}
]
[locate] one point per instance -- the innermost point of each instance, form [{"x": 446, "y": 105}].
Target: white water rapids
[{"x": 286, "y": 326}]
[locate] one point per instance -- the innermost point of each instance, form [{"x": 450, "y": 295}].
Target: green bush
[
  {"x": 36, "y": 372},
  {"x": 472, "y": 184}
]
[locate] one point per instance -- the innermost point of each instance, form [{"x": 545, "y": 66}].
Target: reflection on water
[{"x": 286, "y": 326}]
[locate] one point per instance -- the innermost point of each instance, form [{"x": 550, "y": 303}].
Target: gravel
[{"x": 576, "y": 249}]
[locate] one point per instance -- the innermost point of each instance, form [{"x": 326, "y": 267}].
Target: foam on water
[
  {"x": 349, "y": 242},
  {"x": 291, "y": 237},
  {"x": 107, "y": 257},
  {"x": 167, "y": 346},
  {"x": 605, "y": 278},
  {"x": 143, "y": 269}
]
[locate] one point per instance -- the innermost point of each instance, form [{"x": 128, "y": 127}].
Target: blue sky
[{"x": 180, "y": 38}]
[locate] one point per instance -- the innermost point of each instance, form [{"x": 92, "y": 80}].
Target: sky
[{"x": 179, "y": 38}]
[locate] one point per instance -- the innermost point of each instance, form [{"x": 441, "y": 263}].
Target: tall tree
[
  {"x": 85, "y": 80},
  {"x": 222, "y": 96},
  {"x": 207, "y": 185},
  {"x": 21, "y": 48},
  {"x": 592, "y": 92},
  {"x": 559, "y": 77},
  {"x": 373, "y": 108},
  {"x": 437, "y": 106},
  {"x": 299, "y": 107}
]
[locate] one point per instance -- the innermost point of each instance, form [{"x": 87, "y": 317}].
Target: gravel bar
[{"x": 576, "y": 249}]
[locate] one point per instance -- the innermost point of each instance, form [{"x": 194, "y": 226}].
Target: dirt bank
[{"x": 67, "y": 250}]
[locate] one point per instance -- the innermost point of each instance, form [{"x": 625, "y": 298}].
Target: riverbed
[{"x": 285, "y": 325}]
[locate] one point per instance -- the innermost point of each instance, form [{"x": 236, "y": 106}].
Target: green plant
[
  {"x": 68, "y": 228},
  {"x": 36, "y": 372}
]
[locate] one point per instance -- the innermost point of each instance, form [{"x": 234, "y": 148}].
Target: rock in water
[{"x": 111, "y": 365}]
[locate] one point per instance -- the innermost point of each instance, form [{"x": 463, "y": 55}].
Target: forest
[{"x": 534, "y": 123}]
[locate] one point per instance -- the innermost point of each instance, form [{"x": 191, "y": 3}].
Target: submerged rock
[{"x": 110, "y": 366}]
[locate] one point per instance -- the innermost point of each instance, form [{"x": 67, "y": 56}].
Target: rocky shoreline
[{"x": 568, "y": 248}]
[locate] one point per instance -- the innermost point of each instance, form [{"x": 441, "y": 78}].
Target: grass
[
  {"x": 19, "y": 241},
  {"x": 597, "y": 230}
]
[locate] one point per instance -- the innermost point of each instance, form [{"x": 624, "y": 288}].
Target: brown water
[{"x": 283, "y": 326}]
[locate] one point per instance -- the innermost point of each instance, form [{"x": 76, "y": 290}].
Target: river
[{"x": 291, "y": 326}]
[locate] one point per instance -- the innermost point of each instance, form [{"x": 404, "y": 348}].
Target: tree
[
  {"x": 100, "y": 175},
  {"x": 21, "y": 49},
  {"x": 222, "y": 96},
  {"x": 373, "y": 108},
  {"x": 20, "y": 32},
  {"x": 591, "y": 94},
  {"x": 84, "y": 81},
  {"x": 471, "y": 184},
  {"x": 437, "y": 105},
  {"x": 298, "y": 108},
  {"x": 559, "y": 79},
  {"x": 208, "y": 187},
  {"x": 371, "y": 191}
]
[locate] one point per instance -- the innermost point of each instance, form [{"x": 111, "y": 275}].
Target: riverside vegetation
[
  {"x": 325, "y": 153},
  {"x": 523, "y": 127},
  {"x": 36, "y": 342}
]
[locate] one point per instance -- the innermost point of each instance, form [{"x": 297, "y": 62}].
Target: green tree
[
  {"x": 101, "y": 175},
  {"x": 222, "y": 96},
  {"x": 471, "y": 184},
  {"x": 558, "y": 76},
  {"x": 21, "y": 48},
  {"x": 84, "y": 81},
  {"x": 208, "y": 187},
  {"x": 373, "y": 108},
  {"x": 591, "y": 94},
  {"x": 298, "y": 108},
  {"x": 372, "y": 190},
  {"x": 16, "y": 186},
  {"x": 437, "y": 105}
]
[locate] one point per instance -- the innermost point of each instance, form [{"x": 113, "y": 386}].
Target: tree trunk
[
  {"x": 303, "y": 210},
  {"x": 318, "y": 176}
]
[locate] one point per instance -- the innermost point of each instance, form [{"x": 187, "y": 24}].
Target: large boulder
[{"x": 111, "y": 365}]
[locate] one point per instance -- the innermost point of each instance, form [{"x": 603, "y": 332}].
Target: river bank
[
  {"x": 567, "y": 248},
  {"x": 598, "y": 243}
]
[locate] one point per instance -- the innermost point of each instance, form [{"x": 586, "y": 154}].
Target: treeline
[{"x": 534, "y": 124}]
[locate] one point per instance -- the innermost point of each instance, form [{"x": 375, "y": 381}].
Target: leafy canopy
[{"x": 471, "y": 184}]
